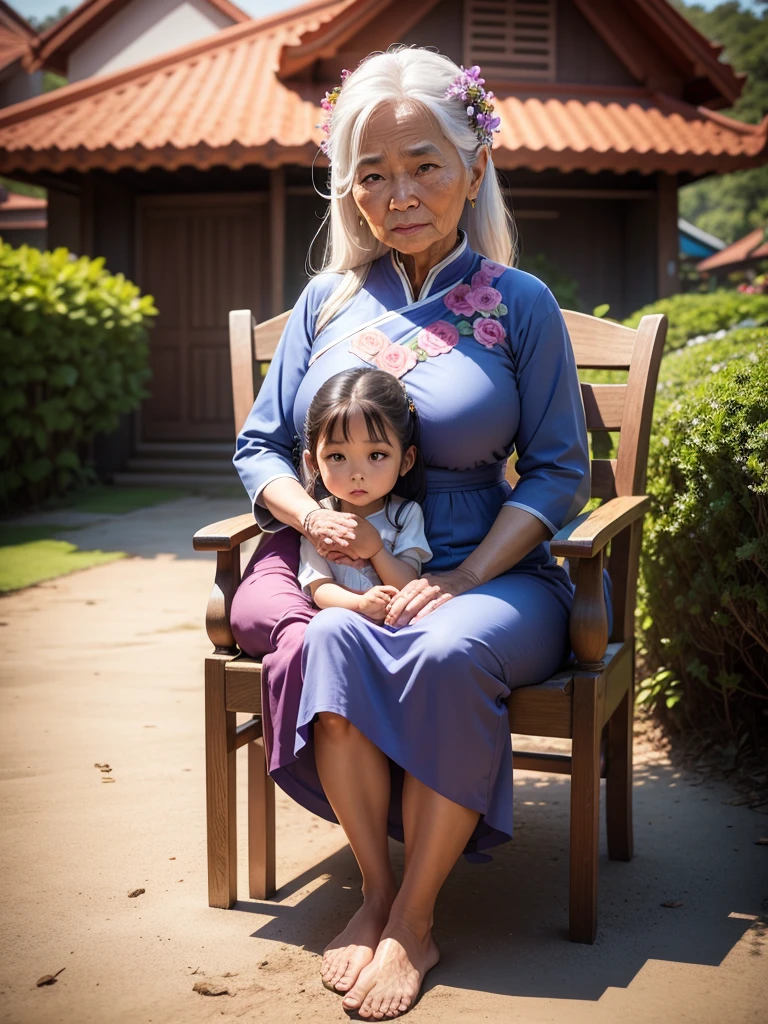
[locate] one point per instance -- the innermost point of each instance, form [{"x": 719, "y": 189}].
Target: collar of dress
[{"x": 447, "y": 272}]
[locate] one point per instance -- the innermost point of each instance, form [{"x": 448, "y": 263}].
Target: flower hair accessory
[
  {"x": 468, "y": 87},
  {"x": 328, "y": 103}
]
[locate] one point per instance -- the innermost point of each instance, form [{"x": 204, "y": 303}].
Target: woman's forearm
[
  {"x": 288, "y": 502},
  {"x": 513, "y": 535}
]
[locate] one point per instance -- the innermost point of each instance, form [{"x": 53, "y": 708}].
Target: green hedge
[
  {"x": 691, "y": 315},
  {"x": 73, "y": 358},
  {"x": 703, "y": 593}
]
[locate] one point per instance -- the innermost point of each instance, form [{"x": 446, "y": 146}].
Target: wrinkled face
[
  {"x": 410, "y": 182},
  {"x": 357, "y": 469}
]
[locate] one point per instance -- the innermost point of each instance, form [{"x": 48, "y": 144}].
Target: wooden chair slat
[
  {"x": 267, "y": 335},
  {"x": 599, "y": 344},
  {"x": 604, "y": 405}
]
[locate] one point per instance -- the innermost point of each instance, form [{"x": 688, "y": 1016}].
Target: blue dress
[{"x": 485, "y": 355}]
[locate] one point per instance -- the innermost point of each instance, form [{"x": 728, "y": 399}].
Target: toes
[
  {"x": 354, "y": 998},
  {"x": 346, "y": 980}
]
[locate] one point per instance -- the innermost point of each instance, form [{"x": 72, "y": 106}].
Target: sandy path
[{"x": 106, "y": 666}]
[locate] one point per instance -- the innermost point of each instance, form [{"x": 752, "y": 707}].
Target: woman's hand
[
  {"x": 332, "y": 533},
  {"x": 422, "y": 596},
  {"x": 367, "y": 542}
]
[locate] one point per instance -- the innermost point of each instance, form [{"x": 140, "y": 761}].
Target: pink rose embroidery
[
  {"x": 369, "y": 343},
  {"x": 484, "y": 299},
  {"x": 488, "y": 332},
  {"x": 481, "y": 279},
  {"x": 456, "y": 300},
  {"x": 492, "y": 269},
  {"x": 438, "y": 338},
  {"x": 396, "y": 360}
]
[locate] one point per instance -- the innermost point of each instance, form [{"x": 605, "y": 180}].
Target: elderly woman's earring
[
  {"x": 472, "y": 203},
  {"x": 360, "y": 221}
]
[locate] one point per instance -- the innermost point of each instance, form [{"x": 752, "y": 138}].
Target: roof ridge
[
  {"x": 98, "y": 83},
  {"x": 13, "y": 22},
  {"x": 661, "y": 11}
]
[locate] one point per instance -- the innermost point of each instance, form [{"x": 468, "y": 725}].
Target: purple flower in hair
[{"x": 468, "y": 87}]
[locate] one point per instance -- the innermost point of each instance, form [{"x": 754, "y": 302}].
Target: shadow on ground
[{"x": 502, "y": 927}]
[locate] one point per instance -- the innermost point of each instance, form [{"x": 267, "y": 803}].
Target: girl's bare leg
[
  {"x": 436, "y": 832},
  {"x": 355, "y": 777}
]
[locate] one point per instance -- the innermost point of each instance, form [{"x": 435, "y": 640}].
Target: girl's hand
[
  {"x": 367, "y": 540},
  {"x": 422, "y": 596},
  {"x": 331, "y": 531},
  {"x": 373, "y": 602}
]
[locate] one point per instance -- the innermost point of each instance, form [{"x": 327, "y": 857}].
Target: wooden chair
[{"x": 590, "y": 702}]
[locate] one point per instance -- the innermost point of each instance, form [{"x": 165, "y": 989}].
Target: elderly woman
[{"x": 400, "y": 728}]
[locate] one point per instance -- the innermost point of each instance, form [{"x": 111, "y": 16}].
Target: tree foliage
[
  {"x": 731, "y": 205},
  {"x": 40, "y": 25}
]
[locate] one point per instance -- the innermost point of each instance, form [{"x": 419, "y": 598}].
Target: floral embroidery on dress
[{"x": 464, "y": 301}]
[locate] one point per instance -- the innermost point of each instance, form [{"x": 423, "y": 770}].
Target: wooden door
[{"x": 199, "y": 256}]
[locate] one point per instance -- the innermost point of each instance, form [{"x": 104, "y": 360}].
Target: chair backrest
[{"x": 626, "y": 408}]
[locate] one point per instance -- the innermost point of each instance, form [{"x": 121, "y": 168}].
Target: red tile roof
[
  {"x": 753, "y": 246},
  {"x": 219, "y": 101},
  {"x": 14, "y": 201}
]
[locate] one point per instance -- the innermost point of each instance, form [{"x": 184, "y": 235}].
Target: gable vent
[{"x": 511, "y": 39}]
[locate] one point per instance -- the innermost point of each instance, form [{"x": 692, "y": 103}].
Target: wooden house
[{"x": 191, "y": 171}]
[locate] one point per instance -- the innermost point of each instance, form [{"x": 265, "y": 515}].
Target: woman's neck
[{"x": 418, "y": 265}]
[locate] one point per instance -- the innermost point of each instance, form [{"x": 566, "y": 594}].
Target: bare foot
[
  {"x": 389, "y": 985},
  {"x": 350, "y": 951}
]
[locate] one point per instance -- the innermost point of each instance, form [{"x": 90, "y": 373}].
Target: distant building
[
  {"x": 696, "y": 244},
  {"x": 17, "y": 81},
  {"x": 102, "y": 36},
  {"x": 190, "y": 171},
  {"x": 745, "y": 254},
  {"x": 23, "y": 219}
]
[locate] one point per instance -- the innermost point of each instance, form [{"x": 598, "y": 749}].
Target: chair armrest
[
  {"x": 590, "y": 532},
  {"x": 227, "y": 534}
]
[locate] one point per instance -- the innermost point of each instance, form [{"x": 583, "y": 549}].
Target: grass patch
[
  {"x": 116, "y": 501},
  {"x": 28, "y": 555}
]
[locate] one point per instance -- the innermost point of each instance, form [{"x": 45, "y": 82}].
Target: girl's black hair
[{"x": 386, "y": 408}]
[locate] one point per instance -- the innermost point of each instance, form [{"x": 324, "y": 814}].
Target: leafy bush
[
  {"x": 692, "y": 314},
  {"x": 73, "y": 358},
  {"x": 703, "y": 595}
]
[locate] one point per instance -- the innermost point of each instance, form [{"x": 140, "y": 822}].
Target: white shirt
[{"x": 409, "y": 544}]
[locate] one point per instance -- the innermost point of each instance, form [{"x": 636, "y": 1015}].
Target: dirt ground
[{"x": 105, "y": 667}]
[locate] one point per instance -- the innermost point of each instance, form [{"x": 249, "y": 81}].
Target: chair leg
[
  {"x": 261, "y": 824},
  {"x": 585, "y": 807},
  {"x": 618, "y": 781},
  {"x": 220, "y": 778}
]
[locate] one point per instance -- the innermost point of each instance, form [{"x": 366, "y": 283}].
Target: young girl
[{"x": 361, "y": 435}]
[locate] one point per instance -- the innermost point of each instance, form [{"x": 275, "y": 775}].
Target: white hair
[{"x": 417, "y": 77}]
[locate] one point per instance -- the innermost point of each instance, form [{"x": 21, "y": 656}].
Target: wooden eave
[
  {"x": 13, "y": 22},
  {"x": 678, "y": 37},
  {"x": 326, "y": 39}
]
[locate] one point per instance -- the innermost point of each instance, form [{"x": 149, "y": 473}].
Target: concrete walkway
[{"x": 105, "y": 666}]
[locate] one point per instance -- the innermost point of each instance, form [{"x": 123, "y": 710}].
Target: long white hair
[{"x": 416, "y": 77}]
